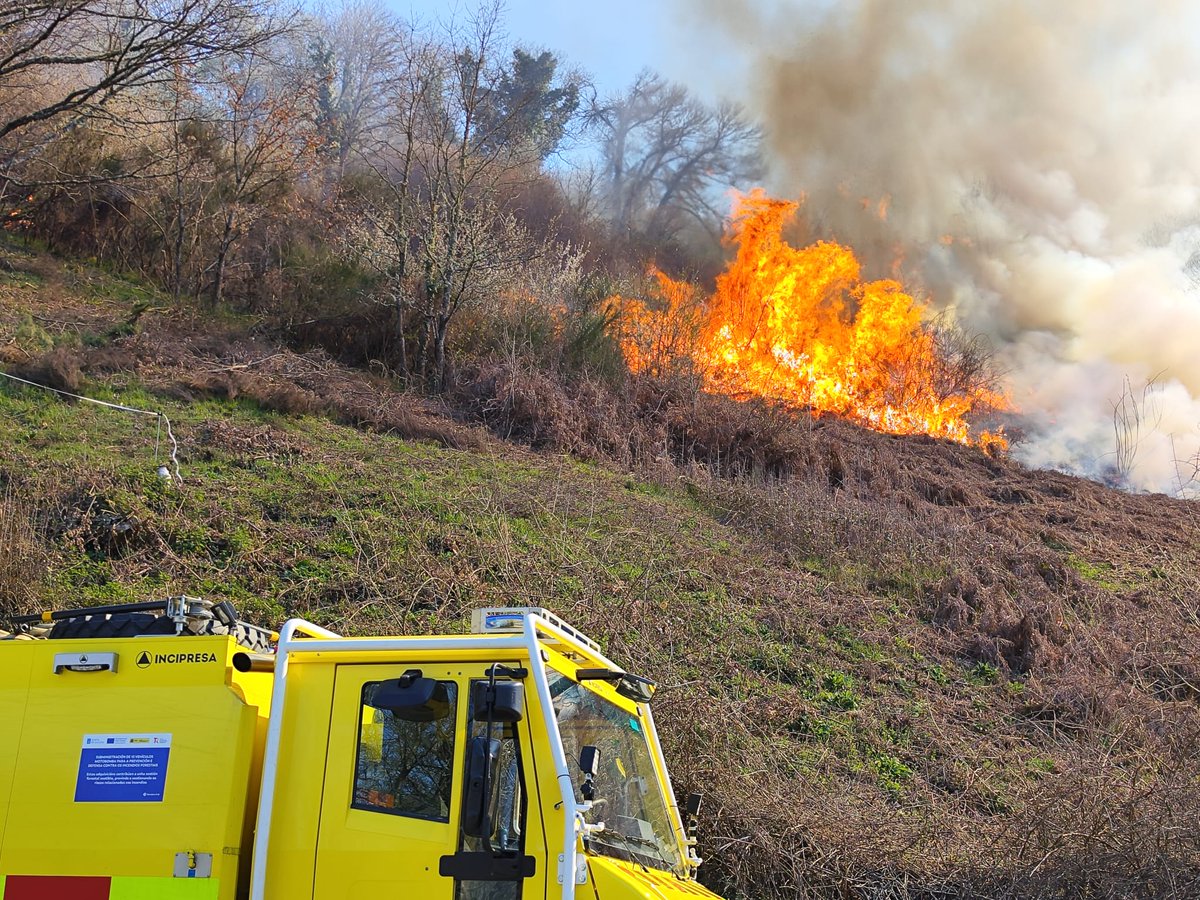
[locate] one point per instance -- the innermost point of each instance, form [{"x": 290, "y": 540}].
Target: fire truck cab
[{"x": 516, "y": 761}]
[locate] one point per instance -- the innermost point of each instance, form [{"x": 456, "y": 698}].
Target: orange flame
[{"x": 799, "y": 326}]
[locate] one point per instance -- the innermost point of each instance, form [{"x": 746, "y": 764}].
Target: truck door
[
  {"x": 392, "y": 775},
  {"x": 391, "y": 821}
]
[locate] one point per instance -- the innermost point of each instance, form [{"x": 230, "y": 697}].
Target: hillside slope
[{"x": 906, "y": 670}]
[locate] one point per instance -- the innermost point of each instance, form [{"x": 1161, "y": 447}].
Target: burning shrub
[
  {"x": 800, "y": 326},
  {"x": 660, "y": 334}
]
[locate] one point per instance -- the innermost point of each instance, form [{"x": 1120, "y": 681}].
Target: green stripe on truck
[{"x": 128, "y": 888}]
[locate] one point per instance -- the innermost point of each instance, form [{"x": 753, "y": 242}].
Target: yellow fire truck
[{"x": 166, "y": 750}]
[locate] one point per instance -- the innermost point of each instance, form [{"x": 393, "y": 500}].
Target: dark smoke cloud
[{"x": 1040, "y": 165}]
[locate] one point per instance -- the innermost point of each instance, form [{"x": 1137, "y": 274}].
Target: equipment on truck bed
[
  {"x": 180, "y": 615},
  {"x": 168, "y": 750}
]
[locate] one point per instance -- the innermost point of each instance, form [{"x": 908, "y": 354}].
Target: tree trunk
[
  {"x": 421, "y": 363},
  {"x": 400, "y": 341},
  {"x": 218, "y": 286},
  {"x": 177, "y": 251},
  {"x": 439, "y": 354}
]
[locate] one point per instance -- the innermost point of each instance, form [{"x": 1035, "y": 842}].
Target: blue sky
[{"x": 611, "y": 40}]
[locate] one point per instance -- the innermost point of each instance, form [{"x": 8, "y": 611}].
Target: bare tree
[
  {"x": 190, "y": 179},
  {"x": 266, "y": 136},
  {"x": 1132, "y": 411},
  {"x": 66, "y": 56},
  {"x": 1187, "y": 472},
  {"x": 442, "y": 228},
  {"x": 384, "y": 230},
  {"x": 357, "y": 53},
  {"x": 469, "y": 238},
  {"x": 583, "y": 189},
  {"x": 667, "y": 155}
]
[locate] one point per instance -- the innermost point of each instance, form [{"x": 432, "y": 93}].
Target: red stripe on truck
[{"x": 55, "y": 887}]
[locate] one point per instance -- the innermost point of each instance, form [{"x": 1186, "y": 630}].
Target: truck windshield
[{"x": 629, "y": 796}]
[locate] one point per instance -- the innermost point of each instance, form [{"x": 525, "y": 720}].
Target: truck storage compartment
[{"x": 128, "y": 767}]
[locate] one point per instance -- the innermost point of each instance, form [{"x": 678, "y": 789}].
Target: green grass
[
  {"x": 1101, "y": 574},
  {"x": 892, "y": 774}
]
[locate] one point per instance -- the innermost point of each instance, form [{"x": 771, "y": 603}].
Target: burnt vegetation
[{"x": 332, "y": 250}]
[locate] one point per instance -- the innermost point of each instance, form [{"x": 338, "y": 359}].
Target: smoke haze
[{"x": 1038, "y": 162}]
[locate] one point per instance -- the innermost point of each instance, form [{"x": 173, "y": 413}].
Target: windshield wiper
[
  {"x": 634, "y": 839},
  {"x": 630, "y": 839},
  {"x": 628, "y": 842}
]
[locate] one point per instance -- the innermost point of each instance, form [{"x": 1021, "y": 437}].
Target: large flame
[{"x": 799, "y": 326}]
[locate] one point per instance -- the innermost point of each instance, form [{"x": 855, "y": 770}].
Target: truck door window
[
  {"x": 404, "y": 767},
  {"x": 507, "y": 816}
]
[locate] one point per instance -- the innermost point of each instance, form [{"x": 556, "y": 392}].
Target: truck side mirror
[
  {"x": 636, "y": 688},
  {"x": 501, "y": 701},
  {"x": 412, "y": 698},
  {"x": 483, "y": 755}
]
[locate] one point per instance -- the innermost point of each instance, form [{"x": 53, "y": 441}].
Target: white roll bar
[{"x": 266, "y": 796}]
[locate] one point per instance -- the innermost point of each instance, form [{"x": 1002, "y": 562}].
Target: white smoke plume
[{"x": 1039, "y": 161}]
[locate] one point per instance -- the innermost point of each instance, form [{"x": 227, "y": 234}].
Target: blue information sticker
[{"x": 123, "y": 768}]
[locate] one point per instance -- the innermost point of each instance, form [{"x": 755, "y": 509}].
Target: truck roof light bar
[{"x": 511, "y": 620}]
